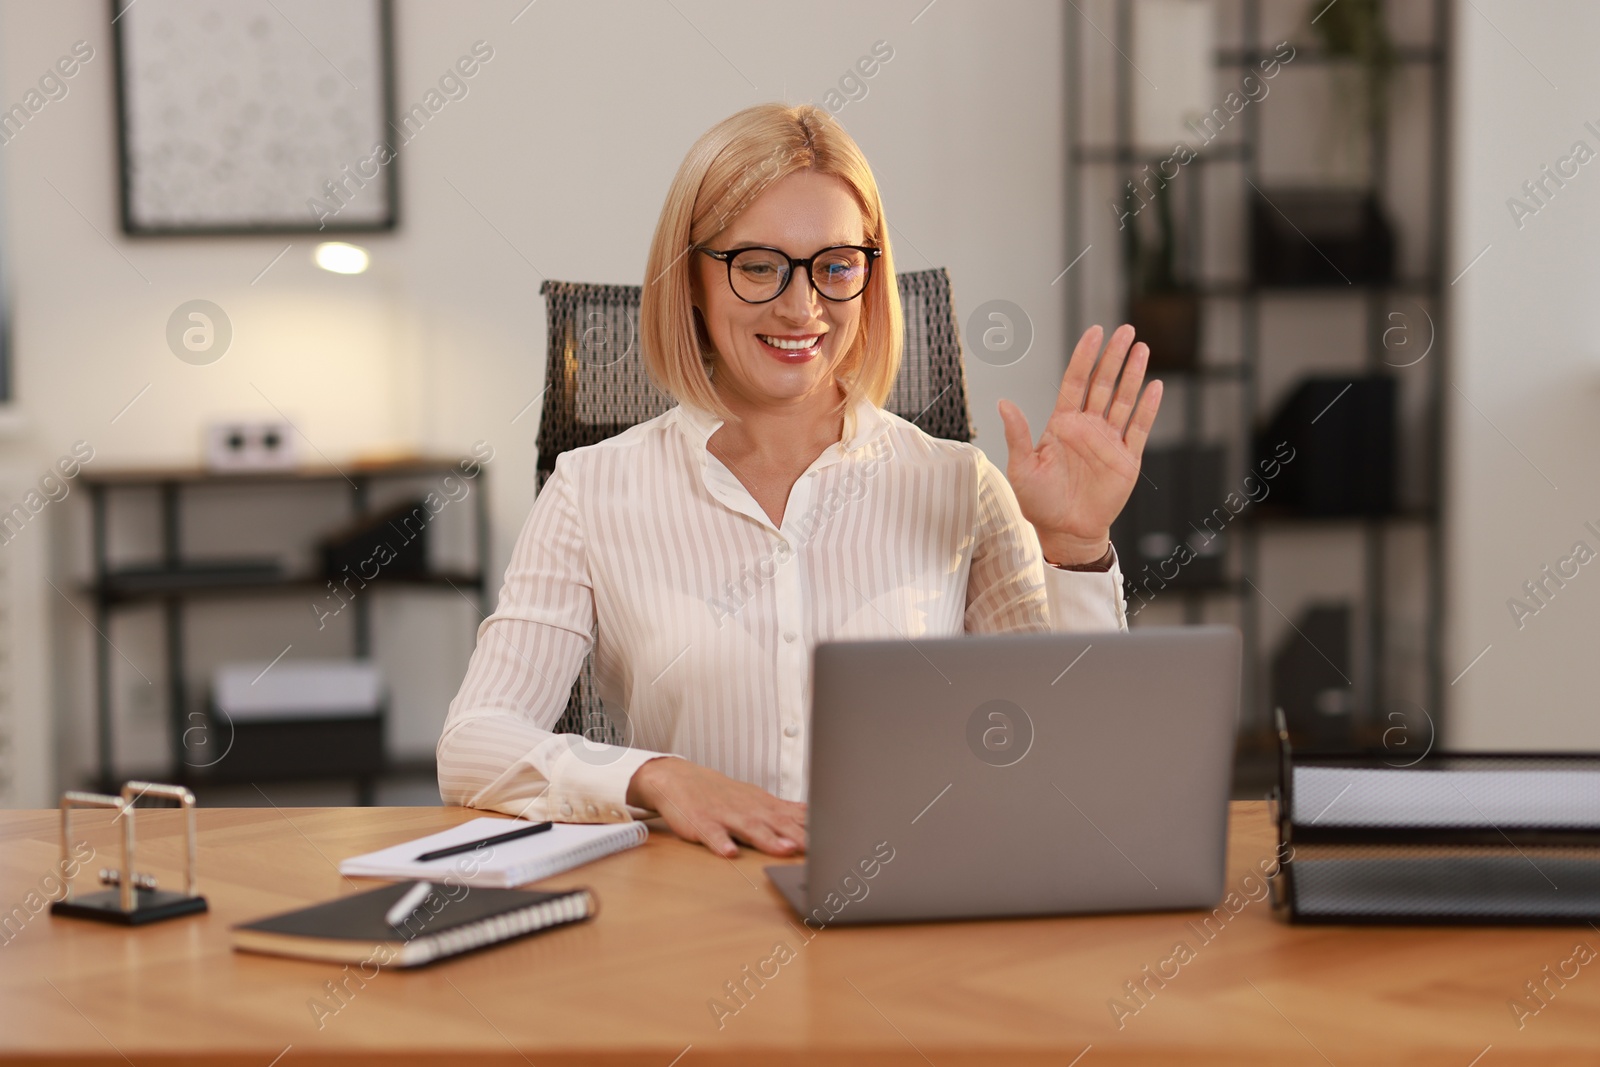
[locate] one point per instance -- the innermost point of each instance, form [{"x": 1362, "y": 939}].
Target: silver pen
[{"x": 407, "y": 904}]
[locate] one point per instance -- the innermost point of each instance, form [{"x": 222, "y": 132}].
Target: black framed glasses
[{"x": 759, "y": 275}]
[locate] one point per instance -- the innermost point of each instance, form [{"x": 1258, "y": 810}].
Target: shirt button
[
  {"x": 789, "y": 636},
  {"x": 566, "y": 809},
  {"x": 592, "y": 810},
  {"x": 791, "y": 730}
]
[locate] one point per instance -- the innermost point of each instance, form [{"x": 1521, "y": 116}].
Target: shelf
[
  {"x": 1231, "y": 152},
  {"x": 199, "y": 781},
  {"x": 117, "y": 589},
  {"x": 1239, "y": 289},
  {"x": 1108, "y": 107},
  {"x": 157, "y": 476},
  {"x": 1228, "y": 372},
  {"x": 1398, "y": 518},
  {"x": 174, "y": 580},
  {"x": 1250, "y": 57}
]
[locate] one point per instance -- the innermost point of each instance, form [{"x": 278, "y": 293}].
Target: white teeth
[{"x": 794, "y": 346}]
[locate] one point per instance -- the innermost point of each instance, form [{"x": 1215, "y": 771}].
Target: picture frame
[{"x": 255, "y": 116}]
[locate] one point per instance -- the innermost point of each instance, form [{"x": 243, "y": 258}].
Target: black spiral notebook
[{"x": 452, "y": 919}]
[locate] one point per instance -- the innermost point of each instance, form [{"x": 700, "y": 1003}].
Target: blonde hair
[{"x": 727, "y": 168}]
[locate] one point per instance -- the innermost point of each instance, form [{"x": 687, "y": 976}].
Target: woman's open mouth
[{"x": 793, "y": 348}]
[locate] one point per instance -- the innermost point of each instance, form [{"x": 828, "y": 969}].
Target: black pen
[{"x": 473, "y": 846}]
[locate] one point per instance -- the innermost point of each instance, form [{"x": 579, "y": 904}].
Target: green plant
[
  {"x": 1355, "y": 30},
  {"x": 1152, "y": 266}
]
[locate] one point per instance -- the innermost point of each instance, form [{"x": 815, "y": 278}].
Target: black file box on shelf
[
  {"x": 293, "y": 749},
  {"x": 1319, "y": 237},
  {"x": 1479, "y": 839},
  {"x": 295, "y": 720},
  {"x": 1310, "y": 674},
  {"x": 1180, "y": 499},
  {"x": 1342, "y": 432},
  {"x": 387, "y": 544}
]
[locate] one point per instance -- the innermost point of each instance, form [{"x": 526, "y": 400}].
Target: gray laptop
[{"x": 1026, "y": 774}]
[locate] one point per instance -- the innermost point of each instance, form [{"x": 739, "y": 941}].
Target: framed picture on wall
[{"x": 255, "y": 116}]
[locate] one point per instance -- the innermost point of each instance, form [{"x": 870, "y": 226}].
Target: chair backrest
[{"x": 596, "y": 387}]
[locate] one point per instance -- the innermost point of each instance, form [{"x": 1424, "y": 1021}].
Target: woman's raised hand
[{"x": 1076, "y": 480}]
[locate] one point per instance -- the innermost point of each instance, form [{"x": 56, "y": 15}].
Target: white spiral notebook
[{"x": 511, "y": 863}]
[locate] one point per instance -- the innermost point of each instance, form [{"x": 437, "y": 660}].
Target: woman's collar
[{"x": 864, "y": 421}]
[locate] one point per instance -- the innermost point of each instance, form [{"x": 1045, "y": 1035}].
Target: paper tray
[
  {"x": 1444, "y": 885},
  {"x": 1520, "y": 847}
]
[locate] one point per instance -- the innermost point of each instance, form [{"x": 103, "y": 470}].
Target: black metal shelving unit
[
  {"x": 175, "y": 581},
  {"x": 1242, "y": 370}
]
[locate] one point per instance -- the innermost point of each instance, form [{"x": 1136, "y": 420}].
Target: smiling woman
[
  {"x": 812, "y": 183},
  {"x": 770, "y": 312}
]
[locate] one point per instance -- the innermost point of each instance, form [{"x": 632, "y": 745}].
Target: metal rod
[
  {"x": 1073, "y": 68},
  {"x": 172, "y": 613},
  {"x": 133, "y": 790},
  {"x": 360, "y": 493},
  {"x": 102, "y": 648},
  {"x": 74, "y": 798},
  {"x": 128, "y": 889},
  {"x": 1435, "y": 414},
  {"x": 1254, "y": 718}
]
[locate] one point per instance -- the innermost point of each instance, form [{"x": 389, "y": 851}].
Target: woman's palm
[{"x": 1074, "y": 482}]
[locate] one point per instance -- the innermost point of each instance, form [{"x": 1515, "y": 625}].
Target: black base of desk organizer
[
  {"x": 151, "y": 905},
  {"x": 1457, "y": 890}
]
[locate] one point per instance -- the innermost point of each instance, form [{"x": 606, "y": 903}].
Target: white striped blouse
[{"x": 702, "y": 613}]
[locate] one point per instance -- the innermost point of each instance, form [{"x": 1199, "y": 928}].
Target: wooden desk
[{"x": 634, "y": 986}]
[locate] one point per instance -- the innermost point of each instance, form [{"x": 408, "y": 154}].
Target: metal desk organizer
[
  {"x": 134, "y": 899},
  {"x": 1407, "y": 843}
]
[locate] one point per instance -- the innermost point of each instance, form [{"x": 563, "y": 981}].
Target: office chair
[{"x": 596, "y": 387}]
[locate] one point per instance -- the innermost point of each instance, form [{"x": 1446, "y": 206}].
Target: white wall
[
  {"x": 1524, "y": 432},
  {"x": 559, "y": 157},
  {"x": 566, "y": 144},
  {"x": 25, "y": 772}
]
